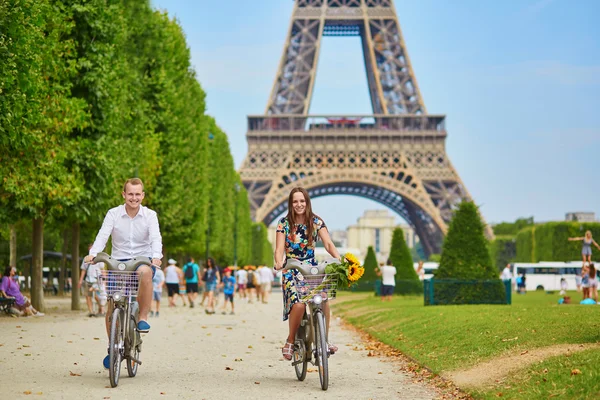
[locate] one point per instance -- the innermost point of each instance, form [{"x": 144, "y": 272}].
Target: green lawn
[
  {"x": 555, "y": 377},
  {"x": 446, "y": 338}
]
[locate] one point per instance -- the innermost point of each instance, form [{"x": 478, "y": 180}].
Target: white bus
[
  {"x": 539, "y": 276},
  {"x": 547, "y": 275}
]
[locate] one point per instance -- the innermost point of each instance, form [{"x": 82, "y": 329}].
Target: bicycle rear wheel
[
  {"x": 299, "y": 357},
  {"x": 321, "y": 350},
  {"x": 114, "y": 347}
]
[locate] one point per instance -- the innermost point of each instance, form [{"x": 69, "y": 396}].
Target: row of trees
[
  {"x": 533, "y": 243},
  {"x": 95, "y": 92}
]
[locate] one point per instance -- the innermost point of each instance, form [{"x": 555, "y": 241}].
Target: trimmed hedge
[
  {"x": 549, "y": 241},
  {"x": 503, "y": 250},
  {"x": 455, "y": 291},
  {"x": 525, "y": 245}
]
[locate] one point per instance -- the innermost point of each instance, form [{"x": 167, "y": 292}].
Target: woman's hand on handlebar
[
  {"x": 279, "y": 266},
  {"x": 156, "y": 262},
  {"x": 89, "y": 259}
]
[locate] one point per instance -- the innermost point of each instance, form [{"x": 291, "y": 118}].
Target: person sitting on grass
[{"x": 10, "y": 289}]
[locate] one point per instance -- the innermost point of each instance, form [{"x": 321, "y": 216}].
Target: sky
[{"x": 518, "y": 81}]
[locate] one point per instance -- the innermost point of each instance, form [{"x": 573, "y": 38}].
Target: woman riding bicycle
[{"x": 297, "y": 235}]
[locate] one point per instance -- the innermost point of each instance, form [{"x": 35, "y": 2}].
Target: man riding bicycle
[{"x": 135, "y": 233}]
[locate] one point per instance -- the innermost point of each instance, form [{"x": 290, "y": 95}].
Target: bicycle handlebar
[
  {"x": 116, "y": 265},
  {"x": 307, "y": 268}
]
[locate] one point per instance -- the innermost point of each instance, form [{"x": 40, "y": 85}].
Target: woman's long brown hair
[{"x": 308, "y": 214}]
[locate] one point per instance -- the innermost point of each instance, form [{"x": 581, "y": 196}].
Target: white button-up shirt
[{"x": 131, "y": 237}]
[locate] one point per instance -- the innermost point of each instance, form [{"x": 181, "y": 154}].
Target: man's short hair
[{"x": 133, "y": 181}]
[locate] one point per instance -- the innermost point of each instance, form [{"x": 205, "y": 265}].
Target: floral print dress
[{"x": 296, "y": 246}]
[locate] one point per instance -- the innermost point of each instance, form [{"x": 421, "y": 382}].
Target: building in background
[
  {"x": 375, "y": 228},
  {"x": 581, "y": 216}
]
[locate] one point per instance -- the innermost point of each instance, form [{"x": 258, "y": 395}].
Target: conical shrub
[{"x": 407, "y": 280}]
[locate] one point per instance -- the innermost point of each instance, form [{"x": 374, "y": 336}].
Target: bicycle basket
[
  {"x": 308, "y": 286},
  {"x": 125, "y": 282}
]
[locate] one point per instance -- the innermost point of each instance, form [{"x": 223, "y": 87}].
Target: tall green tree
[
  {"x": 36, "y": 115},
  {"x": 119, "y": 141},
  {"x": 221, "y": 196},
  {"x": 262, "y": 253},
  {"x": 244, "y": 226},
  {"x": 407, "y": 281}
]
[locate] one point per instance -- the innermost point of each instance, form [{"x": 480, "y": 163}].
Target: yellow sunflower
[
  {"x": 354, "y": 272},
  {"x": 351, "y": 258}
]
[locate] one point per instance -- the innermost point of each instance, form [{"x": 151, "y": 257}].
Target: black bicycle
[
  {"x": 314, "y": 288},
  {"x": 121, "y": 284}
]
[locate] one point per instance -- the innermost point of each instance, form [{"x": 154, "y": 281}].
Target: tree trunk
[
  {"x": 27, "y": 275},
  {"x": 13, "y": 246},
  {"x": 75, "y": 266},
  {"x": 63, "y": 263},
  {"x": 37, "y": 287}
]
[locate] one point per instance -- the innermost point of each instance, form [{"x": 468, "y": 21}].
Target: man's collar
[{"x": 123, "y": 211}]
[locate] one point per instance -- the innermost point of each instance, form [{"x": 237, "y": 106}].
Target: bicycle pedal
[{"x": 297, "y": 362}]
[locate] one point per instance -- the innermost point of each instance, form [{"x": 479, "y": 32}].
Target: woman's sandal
[
  {"x": 287, "y": 350},
  {"x": 332, "y": 348}
]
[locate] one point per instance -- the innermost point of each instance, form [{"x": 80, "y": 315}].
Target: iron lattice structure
[{"x": 396, "y": 156}]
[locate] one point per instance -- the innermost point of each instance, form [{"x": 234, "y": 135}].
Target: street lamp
[{"x": 235, "y": 224}]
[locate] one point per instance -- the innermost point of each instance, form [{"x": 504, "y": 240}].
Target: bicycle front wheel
[
  {"x": 115, "y": 346},
  {"x": 133, "y": 347},
  {"x": 321, "y": 350}
]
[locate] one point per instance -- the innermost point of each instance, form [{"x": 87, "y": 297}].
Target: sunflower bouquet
[{"x": 349, "y": 270}]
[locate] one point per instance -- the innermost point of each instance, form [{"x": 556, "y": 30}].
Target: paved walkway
[{"x": 188, "y": 355}]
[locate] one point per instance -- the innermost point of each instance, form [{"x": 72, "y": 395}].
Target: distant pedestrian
[
  {"x": 191, "y": 272},
  {"x": 172, "y": 280},
  {"x": 585, "y": 281},
  {"x": 388, "y": 282},
  {"x": 521, "y": 282},
  {"x": 421, "y": 271},
  {"x": 266, "y": 282},
  {"x": 563, "y": 286},
  {"x": 578, "y": 280},
  {"x": 586, "y": 248},
  {"x": 241, "y": 276},
  {"x": 252, "y": 283},
  {"x": 593, "y": 283},
  {"x": 90, "y": 274},
  {"x": 157, "y": 282},
  {"x": 228, "y": 284},
  {"x": 210, "y": 279},
  {"x": 506, "y": 274}
]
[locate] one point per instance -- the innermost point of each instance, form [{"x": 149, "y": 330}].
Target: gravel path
[{"x": 188, "y": 355}]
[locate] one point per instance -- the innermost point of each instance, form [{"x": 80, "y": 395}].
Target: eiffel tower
[{"x": 396, "y": 157}]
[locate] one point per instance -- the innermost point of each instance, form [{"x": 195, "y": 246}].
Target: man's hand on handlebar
[
  {"x": 156, "y": 262},
  {"x": 89, "y": 259}
]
